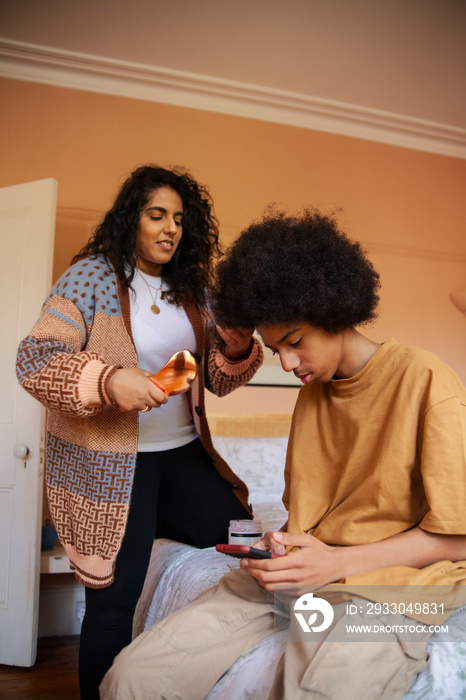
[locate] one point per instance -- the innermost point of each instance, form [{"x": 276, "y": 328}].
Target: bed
[{"x": 255, "y": 447}]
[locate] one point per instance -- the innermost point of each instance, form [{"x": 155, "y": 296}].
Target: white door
[{"x": 27, "y": 223}]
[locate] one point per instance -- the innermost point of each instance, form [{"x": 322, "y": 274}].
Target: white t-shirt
[{"x": 157, "y": 337}]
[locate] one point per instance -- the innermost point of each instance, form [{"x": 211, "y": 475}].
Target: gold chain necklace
[{"x": 154, "y": 308}]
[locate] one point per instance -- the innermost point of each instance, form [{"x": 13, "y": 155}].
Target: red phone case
[{"x": 243, "y": 550}]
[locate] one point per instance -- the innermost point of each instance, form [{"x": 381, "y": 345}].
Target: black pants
[{"x": 176, "y": 494}]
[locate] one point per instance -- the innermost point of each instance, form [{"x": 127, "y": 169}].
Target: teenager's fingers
[
  {"x": 266, "y": 578},
  {"x": 276, "y": 564},
  {"x": 295, "y": 540}
]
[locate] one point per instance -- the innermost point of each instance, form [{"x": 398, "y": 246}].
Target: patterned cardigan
[{"x": 81, "y": 338}]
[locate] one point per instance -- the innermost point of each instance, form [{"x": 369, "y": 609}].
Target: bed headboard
[{"x": 250, "y": 424}]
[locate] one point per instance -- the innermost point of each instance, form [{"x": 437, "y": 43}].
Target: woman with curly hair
[
  {"x": 119, "y": 473},
  {"x": 378, "y": 438}
]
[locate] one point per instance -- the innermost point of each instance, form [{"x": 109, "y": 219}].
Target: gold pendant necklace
[{"x": 154, "y": 308}]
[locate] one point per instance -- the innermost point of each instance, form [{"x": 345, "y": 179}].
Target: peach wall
[{"x": 408, "y": 207}]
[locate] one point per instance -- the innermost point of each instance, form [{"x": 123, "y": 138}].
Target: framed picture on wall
[{"x": 271, "y": 373}]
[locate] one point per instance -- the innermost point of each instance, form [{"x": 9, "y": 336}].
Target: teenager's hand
[
  {"x": 237, "y": 340},
  {"x": 317, "y": 564},
  {"x": 269, "y": 544},
  {"x": 314, "y": 564},
  {"x": 131, "y": 390}
]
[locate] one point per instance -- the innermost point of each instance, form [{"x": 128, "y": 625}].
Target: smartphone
[{"x": 243, "y": 550}]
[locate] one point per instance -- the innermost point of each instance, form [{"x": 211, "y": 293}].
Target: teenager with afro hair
[{"x": 375, "y": 487}]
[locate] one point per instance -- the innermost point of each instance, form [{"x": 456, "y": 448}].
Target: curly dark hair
[
  {"x": 293, "y": 269},
  {"x": 189, "y": 272}
]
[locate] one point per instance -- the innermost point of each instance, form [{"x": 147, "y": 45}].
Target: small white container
[{"x": 244, "y": 531}]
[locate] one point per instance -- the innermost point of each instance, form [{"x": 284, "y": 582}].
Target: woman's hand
[
  {"x": 132, "y": 390},
  {"x": 314, "y": 564},
  {"x": 237, "y": 340}
]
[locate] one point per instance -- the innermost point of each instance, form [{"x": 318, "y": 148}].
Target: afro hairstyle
[{"x": 285, "y": 269}]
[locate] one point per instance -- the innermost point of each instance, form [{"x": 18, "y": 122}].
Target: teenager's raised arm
[{"x": 317, "y": 564}]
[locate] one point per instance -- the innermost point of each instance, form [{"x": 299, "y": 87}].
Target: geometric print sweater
[{"x": 82, "y": 337}]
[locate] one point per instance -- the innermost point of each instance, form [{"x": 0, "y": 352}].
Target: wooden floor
[{"x": 53, "y": 677}]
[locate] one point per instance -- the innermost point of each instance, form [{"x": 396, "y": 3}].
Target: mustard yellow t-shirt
[{"x": 379, "y": 453}]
